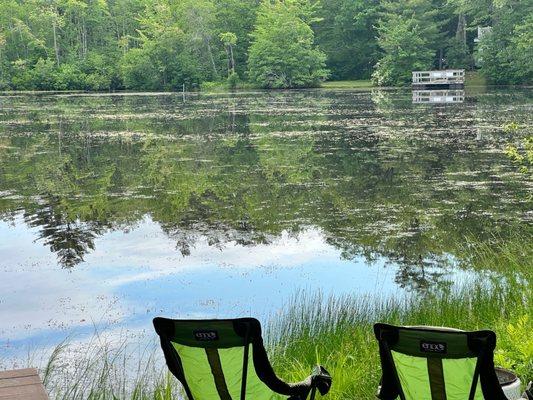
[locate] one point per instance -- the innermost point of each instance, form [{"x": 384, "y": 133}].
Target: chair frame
[
  {"x": 249, "y": 329},
  {"x": 481, "y": 345}
]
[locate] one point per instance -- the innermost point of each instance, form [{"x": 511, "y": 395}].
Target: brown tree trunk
[
  {"x": 232, "y": 59},
  {"x": 212, "y": 59},
  {"x": 460, "y": 33},
  {"x": 56, "y": 48}
]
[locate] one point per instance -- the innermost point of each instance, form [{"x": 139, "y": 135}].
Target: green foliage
[
  {"x": 338, "y": 331},
  {"x": 109, "y": 44},
  {"x": 347, "y": 35},
  {"x": 43, "y": 75},
  {"x": 92, "y": 74},
  {"x": 70, "y": 76},
  {"x": 282, "y": 54},
  {"x": 138, "y": 71},
  {"x": 522, "y": 156},
  {"x": 405, "y": 50},
  {"x": 516, "y": 345},
  {"x": 162, "y": 63},
  {"x": 228, "y": 38},
  {"x": 237, "y": 17},
  {"x": 511, "y": 127},
  {"x": 210, "y": 85},
  {"x": 408, "y": 36},
  {"x": 522, "y": 45},
  {"x": 505, "y": 54},
  {"x": 458, "y": 55},
  {"x": 233, "y": 80}
]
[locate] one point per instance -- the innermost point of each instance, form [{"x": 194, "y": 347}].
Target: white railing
[
  {"x": 443, "y": 77},
  {"x": 438, "y": 96}
]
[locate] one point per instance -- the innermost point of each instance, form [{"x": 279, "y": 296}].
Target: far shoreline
[{"x": 474, "y": 80}]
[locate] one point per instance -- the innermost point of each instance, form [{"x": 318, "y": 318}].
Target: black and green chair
[
  {"x": 427, "y": 363},
  {"x": 212, "y": 360}
]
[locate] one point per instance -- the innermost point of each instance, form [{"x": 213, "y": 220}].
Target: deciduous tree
[{"x": 283, "y": 54}]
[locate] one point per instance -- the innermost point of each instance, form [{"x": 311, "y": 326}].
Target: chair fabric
[
  {"x": 226, "y": 360},
  {"x": 428, "y": 363}
]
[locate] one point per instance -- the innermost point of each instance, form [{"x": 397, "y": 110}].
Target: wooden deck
[
  {"x": 21, "y": 384},
  {"x": 450, "y": 78}
]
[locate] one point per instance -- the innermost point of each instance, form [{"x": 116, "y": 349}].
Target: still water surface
[{"x": 117, "y": 208}]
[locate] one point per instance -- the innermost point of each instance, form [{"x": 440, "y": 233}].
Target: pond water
[{"x": 117, "y": 208}]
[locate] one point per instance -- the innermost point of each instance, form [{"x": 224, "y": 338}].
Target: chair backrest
[
  {"x": 211, "y": 358},
  {"x": 428, "y": 363}
]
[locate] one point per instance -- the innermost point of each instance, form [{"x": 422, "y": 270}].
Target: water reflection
[
  {"x": 70, "y": 239},
  {"x": 378, "y": 181},
  {"x": 244, "y": 168},
  {"x": 438, "y": 96}
]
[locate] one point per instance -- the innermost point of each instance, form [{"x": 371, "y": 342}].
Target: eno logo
[
  {"x": 433, "y": 347},
  {"x": 205, "y": 336}
]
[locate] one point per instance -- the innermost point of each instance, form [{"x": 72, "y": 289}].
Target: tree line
[{"x": 165, "y": 44}]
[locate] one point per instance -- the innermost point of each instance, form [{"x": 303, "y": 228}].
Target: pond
[{"x": 115, "y": 208}]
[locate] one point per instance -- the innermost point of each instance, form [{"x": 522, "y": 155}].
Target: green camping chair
[
  {"x": 426, "y": 363},
  {"x": 211, "y": 360}
]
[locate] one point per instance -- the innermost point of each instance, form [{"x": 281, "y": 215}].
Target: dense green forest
[{"x": 165, "y": 44}]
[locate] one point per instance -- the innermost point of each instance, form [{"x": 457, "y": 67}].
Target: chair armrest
[{"x": 321, "y": 379}]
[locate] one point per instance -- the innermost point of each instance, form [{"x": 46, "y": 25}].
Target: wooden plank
[
  {"x": 22, "y": 384},
  {"x": 16, "y": 373},
  {"x": 21, "y": 381},
  {"x": 32, "y": 392},
  {"x": 16, "y": 397}
]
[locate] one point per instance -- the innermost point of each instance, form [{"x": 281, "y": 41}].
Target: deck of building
[{"x": 447, "y": 78}]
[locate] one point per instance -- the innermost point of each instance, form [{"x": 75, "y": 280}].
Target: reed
[
  {"x": 337, "y": 332},
  {"x": 333, "y": 331}
]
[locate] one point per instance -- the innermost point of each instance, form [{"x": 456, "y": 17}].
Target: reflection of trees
[
  {"x": 421, "y": 274},
  {"x": 371, "y": 184},
  {"x": 419, "y": 268},
  {"x": 70, "y": 240}
]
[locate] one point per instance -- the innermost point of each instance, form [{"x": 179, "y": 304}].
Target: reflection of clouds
[
  {"x": 148, "y": 247},
  {"x": 36, "y": 294},
  {"x": 133, "y": 276},
  {"x": 140, "y": 272}
]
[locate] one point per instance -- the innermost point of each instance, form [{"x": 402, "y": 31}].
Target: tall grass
[
  {"x": 334, "y": 331},
  {"x": 106, "y": 370},
  {"x": 509, "y": 256},
  {"x": 337, "y": 332}
]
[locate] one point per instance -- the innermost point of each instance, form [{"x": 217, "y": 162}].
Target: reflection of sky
[{"x": 132, "y": 277}]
